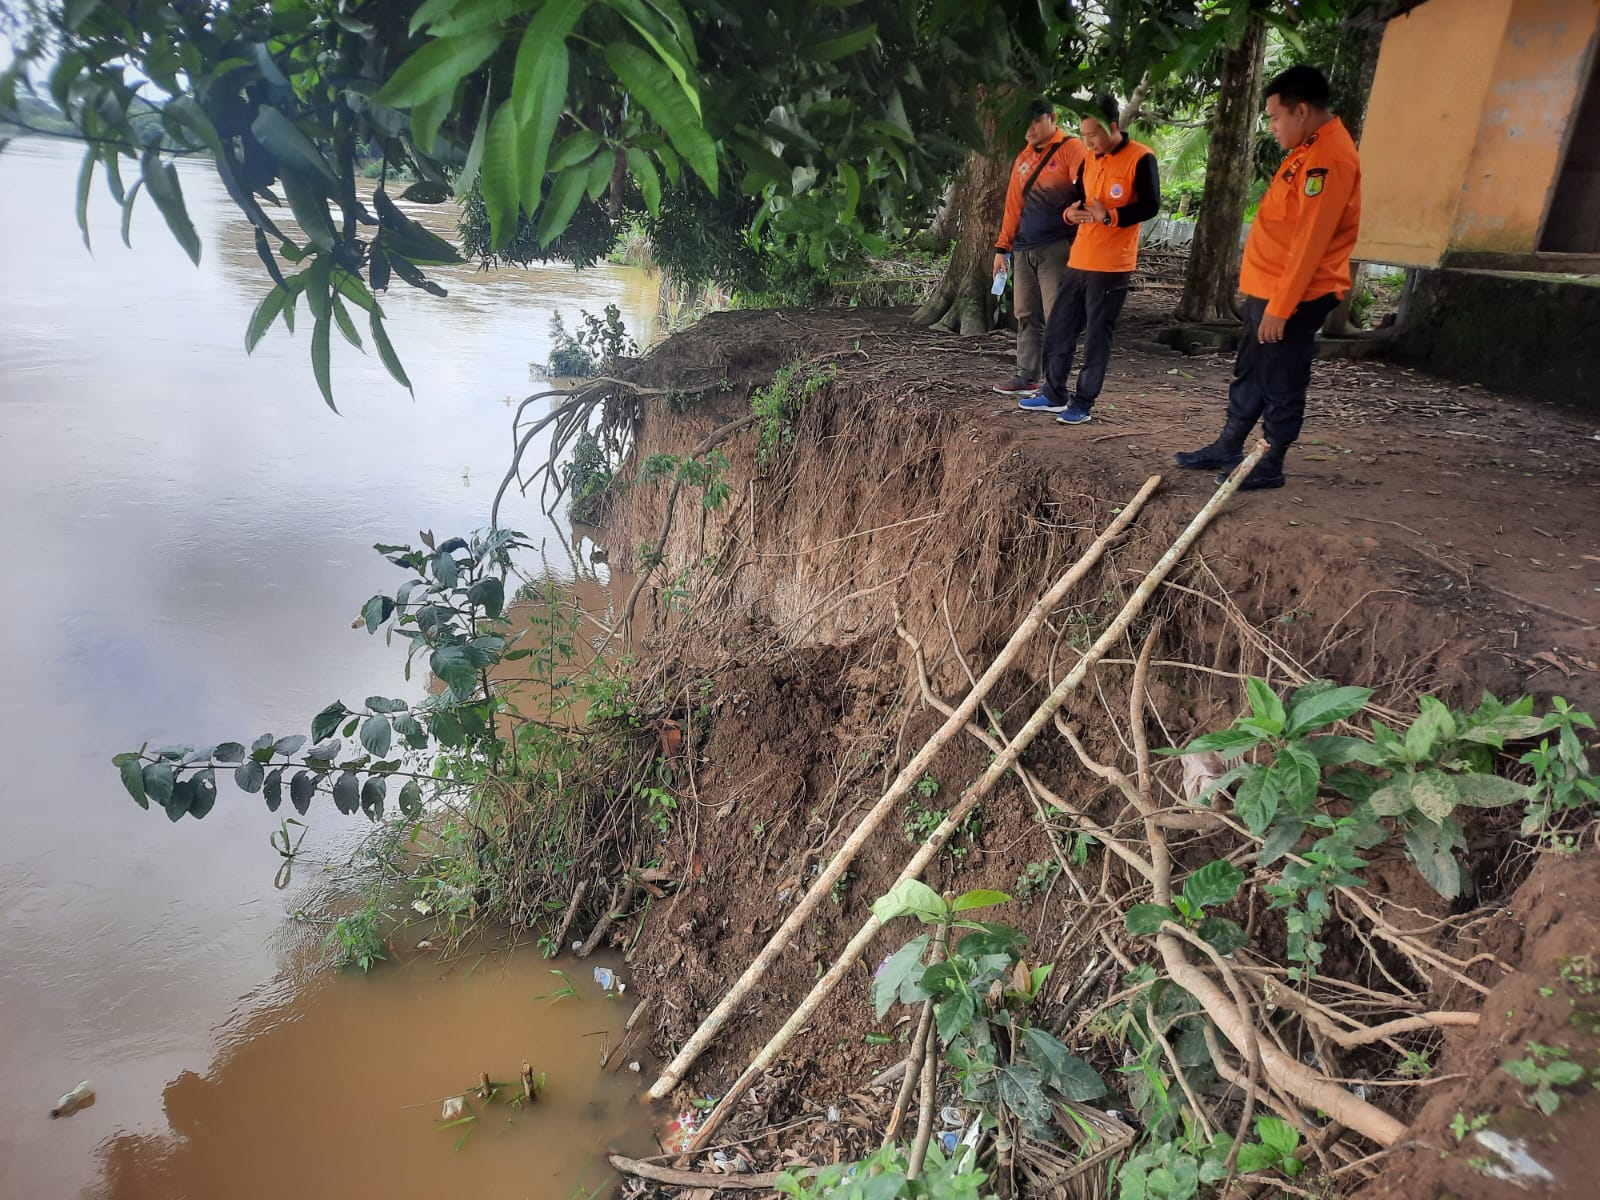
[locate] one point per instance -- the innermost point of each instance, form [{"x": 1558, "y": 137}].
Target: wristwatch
[{"x": 1106, "y": 220}]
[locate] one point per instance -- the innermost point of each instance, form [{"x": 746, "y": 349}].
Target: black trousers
[
  {"x": 1087, "y": 305},
  {"x": 1270, "y": 378}
]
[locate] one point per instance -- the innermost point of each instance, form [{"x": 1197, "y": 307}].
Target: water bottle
[
  {"x": 999, "y": 288},
  {"x": 81, "y": 1096}
]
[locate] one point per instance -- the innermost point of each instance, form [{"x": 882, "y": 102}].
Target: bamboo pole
[
  {"x": 674, "y": 1072},
  {"x": 1002, "y": 763}
]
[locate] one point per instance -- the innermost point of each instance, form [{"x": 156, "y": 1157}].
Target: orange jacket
[
  {"x": 1127, "y": 183},
  {"x": 1300, "y": 242},
  {"x": 1037, "y": 221}
]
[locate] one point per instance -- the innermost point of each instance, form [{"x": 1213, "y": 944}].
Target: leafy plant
[
  {"x": 593, "y": 348},
  {"x": 1562, "y": 781},
  {"x": 1213, "y": 884},
  {"x": 1036, "y": 877},
  {"x": 355, "y": 940},
  {"x": 1544, "y": 1070},
  {"x": 980, "y": 989},
  {"x": 779, "y": 403},
  {"x": 883, "y": 1177}
]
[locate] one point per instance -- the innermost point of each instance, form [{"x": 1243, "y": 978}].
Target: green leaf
[
  {"x": 1225, "y": 936},
  {"x": 181, "y": 800},
  {"x": 161, "y": 181},
  {"x": 127, "y": 212},
  {"x": 1393, "y": 798},
  {"x": 426, "y": 191},
  {"x": 1215, "y": 883},
  {"x": 158, "y": 782},
  {"x": 601, "y": 168},
  {"x": 272, "y": 788},
  {"x": 265, "y": 314},
  {"x": 1266, "y": 706},
  {"x": 249, "y": 776},
  {"x": 85, "y": 180},
  {"x": 326, "y": 721},
  {"x": 411, "y": 798},
  {"x": 488, "y": 594},
  {"x": 1433, "y": 726},
  {"x": 203, "y": 792},
  {"x": 301, "y": 788},
  {"x": 346, "y": 793},
  {"x": 347, "y": 328},
  {"x": 902, "y": 966},
  {"x": 978, "y": 898},
  {"x": 911, "y": 897},
  {"x": 372, "y": 794},
  {"x": 375, "y": 735},
  {"x": 565, "y": 195},
  {"x": 1278, "y": 1136},
  {"x": 645, "y": 175},
  {"x": 1433, "y": 859},
  {"x": 1352, "y": 785},
  {"x": 1256, "y": 800},
  {"x": 451, "y": 664},
  {"x": 1072, "y": 1077},
  {"x": 579, "y": 148},
  {"x": 954, "y": 1014},
  {"x": 434, "y": 70},
  {"x": 839, "y": 47},
  {"x": 1490, "y": 791},
  {"x": 319, "y": 359},
  {"x": 1297, "y": 775},
  {"x": 655, "y": 90},
  {"x": 1147, "y": 918},
  {"x": 544, "y": 43},
  {"x": 1324, "y": 708},
  {"x": 295, "y": 152},
  {"x": 1280, "y": 840},
  {"x": 1230, "y": 743},
  {"x": 1335, "y": 750},
  {"x": 391, "y": 360},
  {"x": 1435, "y": 794},
  {"x": 501, "y": 190},
  {"x": 228, "y": 752},
  {"x": 133, "y": 780}
]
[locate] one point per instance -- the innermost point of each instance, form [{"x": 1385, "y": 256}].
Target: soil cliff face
[{"x": 1431, "y": 540}]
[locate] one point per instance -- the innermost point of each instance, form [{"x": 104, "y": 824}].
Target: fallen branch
[
  {"x": 572, "y": 911},
  {"x": 603, "y": 926},
  {"x": 1002, "y": 763},
  {"x": 797, "y": 920},
  {"x": 700, "y": 1179}
]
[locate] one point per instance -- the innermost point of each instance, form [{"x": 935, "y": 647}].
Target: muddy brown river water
[{"x": 186, "y": 536}]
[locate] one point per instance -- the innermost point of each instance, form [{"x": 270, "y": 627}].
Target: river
[{"x": 188, "y": 536}]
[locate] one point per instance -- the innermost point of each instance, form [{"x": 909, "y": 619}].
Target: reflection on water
[{"x": 187, "y": 534}]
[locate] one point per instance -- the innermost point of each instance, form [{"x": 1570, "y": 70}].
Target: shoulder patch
[{"x": 1315, "y": 179}]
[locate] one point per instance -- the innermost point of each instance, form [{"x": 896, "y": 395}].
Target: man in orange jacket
[
  {"x": 1118, "y": 188},
  {"x": 1296, "y": 269},
  {"x": 1035, "y": 235}
]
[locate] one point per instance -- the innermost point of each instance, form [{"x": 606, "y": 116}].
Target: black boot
[
  {"x": 1224, "y": 454},
  {"x": 1268, "y": 473}
]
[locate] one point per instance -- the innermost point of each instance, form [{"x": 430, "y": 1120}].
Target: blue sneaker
[
  {"x": 1039, "y": 402},
  {"x": 1073, "y": 414}
]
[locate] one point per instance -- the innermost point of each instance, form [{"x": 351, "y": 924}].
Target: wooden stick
[
  {"x": 889, "y": 802},
  {"x": 699, "y": 1179},
  {"x": 603, "y": 926},
  {"x": 1002, "y": 763},
  {"x": 572, "y": 911}
]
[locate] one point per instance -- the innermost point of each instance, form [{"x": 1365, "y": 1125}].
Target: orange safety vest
[
  {"x": 1300, "y": 242},
  {"x": 1108, "y": 178}
]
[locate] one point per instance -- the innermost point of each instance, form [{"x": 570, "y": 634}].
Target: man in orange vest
[
  {"x": 1118, "y": 188},
  {"x": 1296, "y": 269},
  {"x": 1035, "y": 235}
]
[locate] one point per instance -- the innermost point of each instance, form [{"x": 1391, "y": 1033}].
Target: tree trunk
[
  {"x": 962, "y": 303},
  {"x": 942, "y": 229},
  {"x": 1212, "y": 281}
]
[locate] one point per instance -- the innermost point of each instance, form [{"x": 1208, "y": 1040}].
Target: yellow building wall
[
  {"x": 1467, "y": 123},
  {"x": 1435, "y": 67},
  {"x": 1522, "y": 130}
]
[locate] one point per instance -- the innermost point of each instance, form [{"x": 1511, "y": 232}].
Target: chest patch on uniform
[
  {"x": 1116, "y": 191},
  {"x": 1315, "y": 178}
]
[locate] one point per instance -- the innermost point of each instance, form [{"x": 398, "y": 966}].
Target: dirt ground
[{"x": 1432, "y": 538}]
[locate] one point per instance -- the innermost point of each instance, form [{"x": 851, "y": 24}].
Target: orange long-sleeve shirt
[{"x": 1300, "y": 242}]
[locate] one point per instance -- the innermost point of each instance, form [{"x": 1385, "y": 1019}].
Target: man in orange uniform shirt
[
  {"x": 1296, "y": 269},
  {"x": 1118, "y": 188},
  {"x": 1036, "y": 235}
]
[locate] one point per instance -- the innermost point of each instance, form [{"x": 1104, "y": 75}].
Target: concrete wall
[
  {"x": 1530, "y": 108},
  {"x": 1528, "y": 334},
  {"x": 1469, "y": 117}
]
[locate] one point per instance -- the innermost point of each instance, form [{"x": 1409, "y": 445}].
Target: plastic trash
[
  {"x": 833, "y": 1114},
  {"x": 949, "y": 1139},
  {"x": 951, "y": 1115},
  {"x": 454, "y": 1107},
  {"x": 999, "y": 288},
  {"x": 81, "y": 1096},
  {"x": 606, "y": 978}
]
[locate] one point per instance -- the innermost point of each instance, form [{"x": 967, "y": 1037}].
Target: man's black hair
[
  {"x": 1300, "y": 85},
  {"x": 1107, "y": 110},
  {"x": 1040, "y": 108}
]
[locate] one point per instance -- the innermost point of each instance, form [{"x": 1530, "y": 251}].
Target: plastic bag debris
[
  {"x": 607, "y": 979},
  {"x": 81, "y": 1096},
  {"x": 453, "y": 1108}
]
